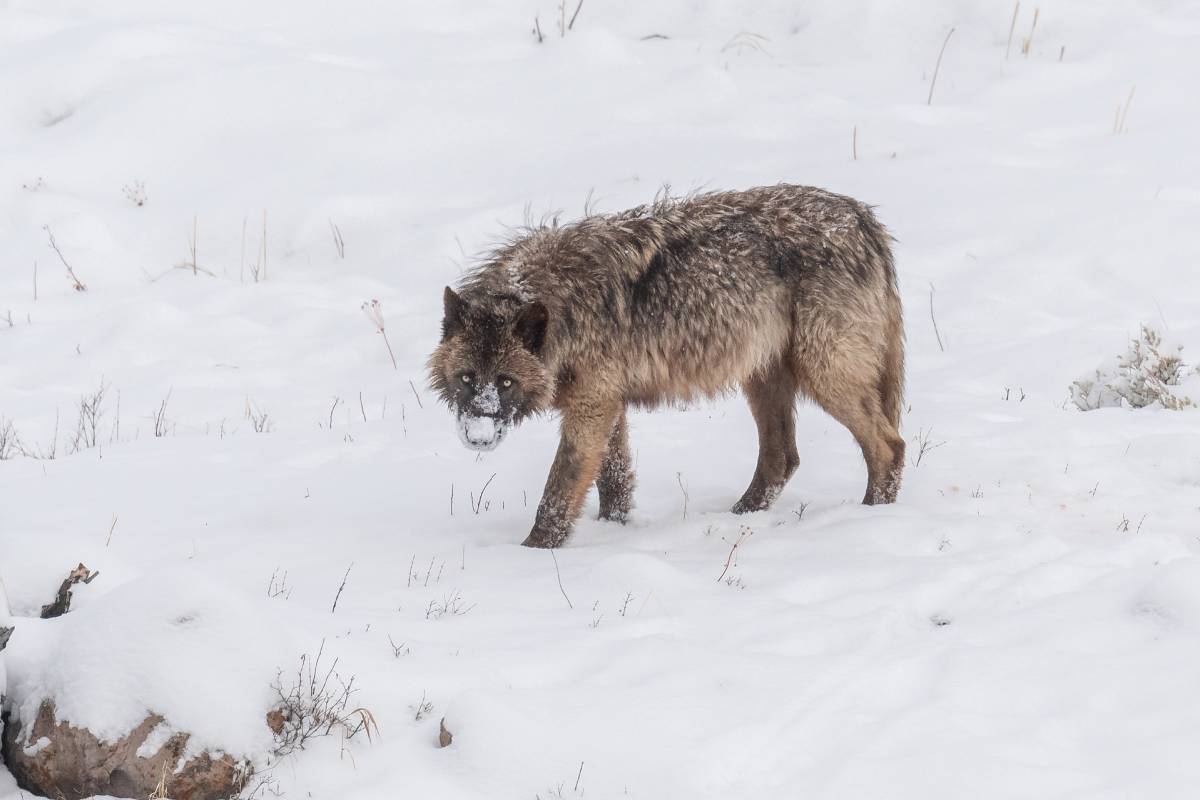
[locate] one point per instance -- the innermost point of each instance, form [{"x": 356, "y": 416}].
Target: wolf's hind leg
[
  {"x": 858, "y": 402},
  {"x": 615, "y": 482},
  {"x": 772, "y": 398}
]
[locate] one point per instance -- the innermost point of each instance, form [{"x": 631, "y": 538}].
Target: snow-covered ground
[{"x": 1025, "y": 622}]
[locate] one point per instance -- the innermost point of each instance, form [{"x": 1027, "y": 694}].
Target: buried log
[
  {"x": 57, "y": 759},
  {"x": 62, "y": 600}
]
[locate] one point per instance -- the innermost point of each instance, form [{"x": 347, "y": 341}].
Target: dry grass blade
[
  {"x": 1011, "y": 29},
  {"x": 938, "y": 66},
  {"x": 1123, "y": 112},
  {"x": 936, "y": 332},
  {"x": 746, "y": 40},
  {"x": 338, "y": 241},
  {"x": 560, "y": 583},
  {"x": 1027, "y": 44},
  {"x": 366, "y": 721}
]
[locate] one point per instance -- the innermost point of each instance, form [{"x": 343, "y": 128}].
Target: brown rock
[{"x": 62, "y": 761}]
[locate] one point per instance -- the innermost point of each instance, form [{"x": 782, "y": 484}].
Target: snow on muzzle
[
  {"x": 480, "y": 426},
  {"x": 481, "y": 432}
]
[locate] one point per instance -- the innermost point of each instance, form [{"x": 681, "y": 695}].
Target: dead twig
[
  {"x": 76, "y": 283},
  {"x": 333, "y": 408},
  {"x": 338, "y": 596}
]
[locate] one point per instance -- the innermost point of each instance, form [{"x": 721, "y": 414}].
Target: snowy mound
[{"x": 189, "y": 649}]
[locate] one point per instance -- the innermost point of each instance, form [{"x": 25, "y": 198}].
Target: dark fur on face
[
  {"x": 784, "y": 291},
  {"x": 486, "y": 367}
]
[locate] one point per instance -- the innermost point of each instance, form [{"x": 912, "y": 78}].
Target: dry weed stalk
[
  {"x": 374, "y": 311},
  {"x": 161, "y": 423},
  {"x": 925, "y": 444},
  {"x": 76, "y": 284},
  {"x": 730, "y": 560}
]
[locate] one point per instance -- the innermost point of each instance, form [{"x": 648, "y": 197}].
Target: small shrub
[
  {"x": 135, "y": 193},
  {"x": 10, "y": 442},
  {"x": 87, "y": 428},
  {"x": 315, "y": 703},
  {"x": 1149, "y": 372}
]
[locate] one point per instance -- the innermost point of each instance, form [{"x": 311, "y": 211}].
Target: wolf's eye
[
  {"x": 467, "y": 377},
  {"x": 506, "y": 382}
]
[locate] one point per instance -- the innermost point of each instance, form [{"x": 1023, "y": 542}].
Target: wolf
[{"x": 784, "y": 291}]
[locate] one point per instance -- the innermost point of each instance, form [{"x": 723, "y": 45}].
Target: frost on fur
[{"x": 1149, "y": 372}]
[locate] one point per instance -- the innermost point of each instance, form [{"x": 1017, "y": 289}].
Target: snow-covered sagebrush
[{"x": 1150, "y": 372}]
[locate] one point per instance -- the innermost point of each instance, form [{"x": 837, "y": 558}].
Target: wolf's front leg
[{"x": 586, "y": 427}]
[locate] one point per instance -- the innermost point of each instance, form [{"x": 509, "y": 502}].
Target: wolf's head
[{"x": 487, "y": 366}]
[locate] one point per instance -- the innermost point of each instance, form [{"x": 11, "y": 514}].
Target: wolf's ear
[
  {"x": 530, "y": 326},
  {"x": 455, "y": 309}
]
